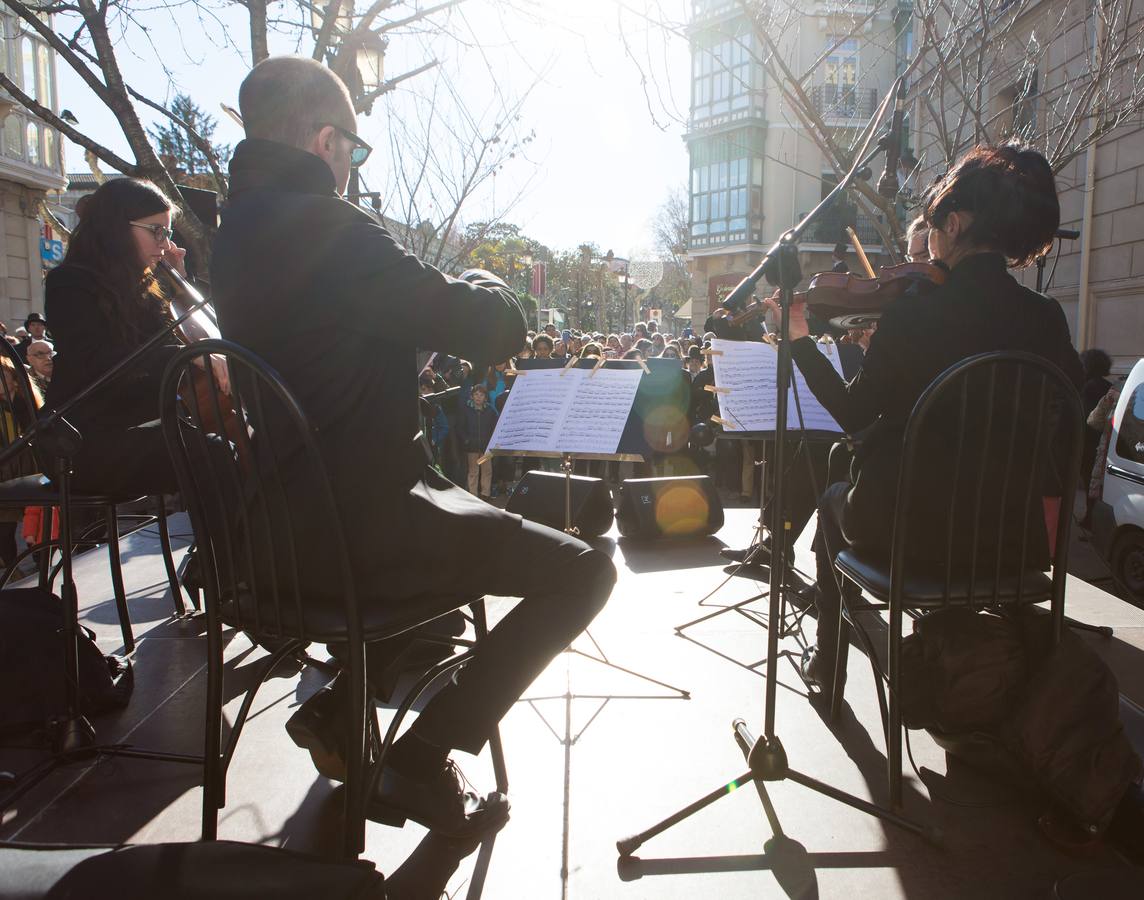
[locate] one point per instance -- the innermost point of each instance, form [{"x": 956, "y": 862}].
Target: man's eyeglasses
[
  {"x": 361, "y": 150},
  {"x": 160, "y": 233}
]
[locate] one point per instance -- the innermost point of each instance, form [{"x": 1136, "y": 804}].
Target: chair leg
[
  {"x": 44, "y": 563},
  {"x": 172, "y": 575},
  {"x": 214, "y": 775},
  {"x": 1102, "y": 630},
  {"x": 112, "y": 519},
  {"x": 357, "y": 750},
  {"x": 840, "y": 657},
  {"x": 894, "y": 732},
  {"x": 496, "y": 748}
]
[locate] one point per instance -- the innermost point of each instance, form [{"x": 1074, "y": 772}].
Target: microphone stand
[
  {"x": 766, "y": 757},
  {"x": 73, "y": 737}
]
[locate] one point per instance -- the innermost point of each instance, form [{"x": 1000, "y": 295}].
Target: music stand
[
  {"x": 790, "y": 623},
  {"x": 766, "y": 757},
  {"x": 568, "y": 460}
]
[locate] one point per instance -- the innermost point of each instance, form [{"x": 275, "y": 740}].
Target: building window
[
  {"x": 726, "y": 187},
  {"x": 840, "y": 76},
  {"x": 27, "y": 61},
  {"x": 723, "y": 77},
  {"x": 1016, "y": 107},
  {"x": 33, "y": 143}
]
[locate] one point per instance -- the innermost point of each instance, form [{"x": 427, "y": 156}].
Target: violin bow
[{"x": 862, "y": 258}]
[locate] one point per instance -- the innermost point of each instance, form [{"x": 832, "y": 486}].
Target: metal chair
[
  {"x": 274, "y": 560},
  {"x": 24, "y": 484},
  {"x": 1002, "y": 410}
]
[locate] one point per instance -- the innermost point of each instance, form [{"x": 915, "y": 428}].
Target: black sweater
[
  {"x": 980, "y": 308},
  {"x": 87, "y": 345}
]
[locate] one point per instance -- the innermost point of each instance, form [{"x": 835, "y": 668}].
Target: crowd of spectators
[{"x": 461, "y": 408}]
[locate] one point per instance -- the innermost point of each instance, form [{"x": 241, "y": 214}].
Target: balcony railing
[
  {"x": 832, "y": 101},
  {"x": 831, "y": 228}
]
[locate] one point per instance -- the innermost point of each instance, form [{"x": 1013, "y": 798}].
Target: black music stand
[
  {"x": 73, "y": 738},
  {"x": 790, "y": 623},
  {"x": 567, "y": 465},
  {"x": 766, "y": 757}
]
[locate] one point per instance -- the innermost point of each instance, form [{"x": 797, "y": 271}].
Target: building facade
[
  {"x": 755, "y": 170},
  {"x": 31, "y": 166},
  {"x": 1040, "y": 69}
]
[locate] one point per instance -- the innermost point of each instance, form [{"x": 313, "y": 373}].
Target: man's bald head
[{"x": 287, "y": 98}]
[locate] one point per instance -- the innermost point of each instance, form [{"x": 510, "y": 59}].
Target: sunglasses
[
  {"x": 361, "y": 150},
  {"x": 160, "y": 233}
]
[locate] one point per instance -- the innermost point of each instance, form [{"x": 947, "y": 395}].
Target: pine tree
[{"x": 186, "y": 162}]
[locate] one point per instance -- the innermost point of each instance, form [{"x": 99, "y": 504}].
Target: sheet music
[
  {"x": 534, "y": 411},
  {"x": 749, "y": 369},
  {"x": 573, "y": 411},
  {"x": 599, "y": 411}
]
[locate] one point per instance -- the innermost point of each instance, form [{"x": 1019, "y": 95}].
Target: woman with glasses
[{"x": 104, "y": 302}]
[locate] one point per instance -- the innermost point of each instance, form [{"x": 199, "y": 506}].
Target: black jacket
[
  {"x": 326, "y": 296},
  {"x": 980, "y": 308},
  {"x": 88, "y": 344},
  {"x": 476, "y": 427}
]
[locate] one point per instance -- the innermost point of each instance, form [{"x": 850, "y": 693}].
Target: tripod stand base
[
  {"x": 69, "y": 735},
  {"x": 768, "y": 762}
]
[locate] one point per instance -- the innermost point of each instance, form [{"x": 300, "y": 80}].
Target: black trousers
[
  {"x": 563, "y": 583},
  {"x": 805, "y": 476},
  {"x": 124, "y": 462}
]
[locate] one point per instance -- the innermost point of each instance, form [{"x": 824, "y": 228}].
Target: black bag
[
  {"x": 1067, "y": 729},
  {"x": 961, "y": 671},
  {"x": 996, "y": 693},
  {"x": 32, "y": 664}
]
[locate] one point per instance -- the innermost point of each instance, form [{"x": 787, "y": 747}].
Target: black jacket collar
[
  {"x": 268, "y": 164},
  {"x": 976, "y": 266}
]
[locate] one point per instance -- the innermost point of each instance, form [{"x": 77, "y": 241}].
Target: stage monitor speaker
[
  {"x": 669, "y": 507},
  {"x": 539, "y": 497}
]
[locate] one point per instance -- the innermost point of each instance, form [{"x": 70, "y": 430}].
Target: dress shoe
[
  {"x": 817, "y": 669},
  {"x": 444, "y": 804},
  {"x": 319, "y": 726}
]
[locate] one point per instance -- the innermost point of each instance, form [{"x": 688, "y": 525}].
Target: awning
[{"x": 684, "y": 312}]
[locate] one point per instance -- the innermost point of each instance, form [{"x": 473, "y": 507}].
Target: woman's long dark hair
[{"x": 103, "y": 243}]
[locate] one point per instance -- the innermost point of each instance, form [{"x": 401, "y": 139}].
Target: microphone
[{"x": 888, "y": 183}]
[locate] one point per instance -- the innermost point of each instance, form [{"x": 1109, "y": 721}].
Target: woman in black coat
[
  {"x": 996, "y": 207},
  {"x": 104, "y": 302}
]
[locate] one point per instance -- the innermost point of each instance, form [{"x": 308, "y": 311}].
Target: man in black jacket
[{"x": 293, "y": 261}]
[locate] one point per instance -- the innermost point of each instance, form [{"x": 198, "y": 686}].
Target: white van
[{"x": 1118, "y": 517}]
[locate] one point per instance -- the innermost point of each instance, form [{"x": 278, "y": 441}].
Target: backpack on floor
[{"x": 32, "y": 664}]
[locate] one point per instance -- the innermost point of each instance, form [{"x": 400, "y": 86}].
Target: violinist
[
  {"x": 104, "y": 302},
  {"x": 996, "y": 207},
  {"x": 917, "y": 241}
]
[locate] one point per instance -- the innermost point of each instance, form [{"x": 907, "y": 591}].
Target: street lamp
[
  {"x": 370, "y": 59},
  {"x": 366, "y": 69}
]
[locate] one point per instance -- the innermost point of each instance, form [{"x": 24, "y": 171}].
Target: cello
[{"x": 215, "y": 409}]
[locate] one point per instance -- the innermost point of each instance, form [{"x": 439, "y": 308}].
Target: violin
[
  {"x": 850, "y": 301},
  {"x": 847, "y": 300},
  {"x": 200, "y": 326}
]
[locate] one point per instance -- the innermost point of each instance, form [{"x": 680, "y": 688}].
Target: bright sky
[{"x": 603, "y": 159}]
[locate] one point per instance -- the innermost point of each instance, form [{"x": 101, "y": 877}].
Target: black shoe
[
  {"x": 757, "y": 555},
  {"x": 736, "y": 555},
  {"x": 319, "y": 726},
  {"x": 817, "y": 669},
  {"x": 443, "y": 804}
]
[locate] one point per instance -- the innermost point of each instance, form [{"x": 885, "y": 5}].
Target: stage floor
[{"x": 606, "y": 754}]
